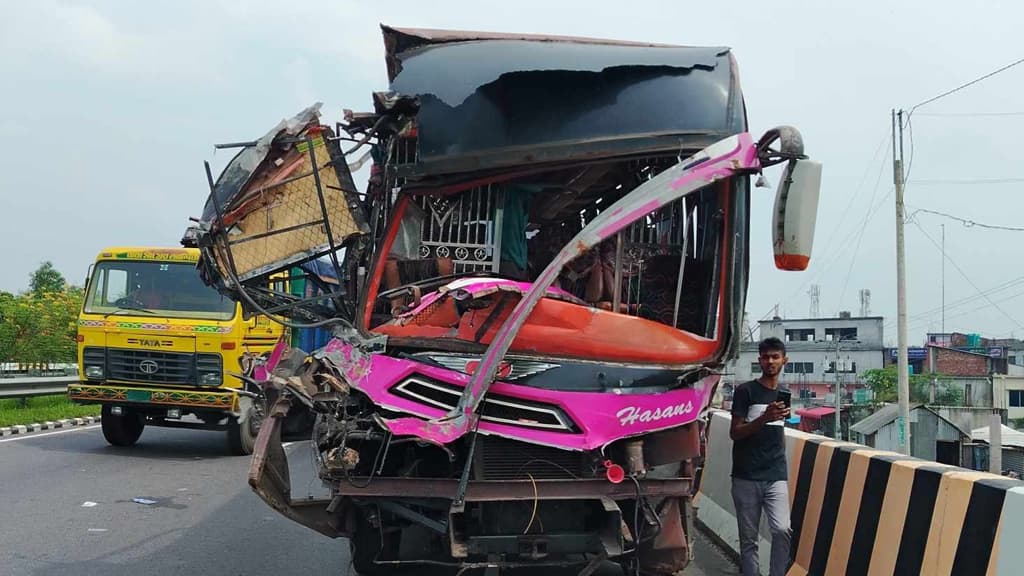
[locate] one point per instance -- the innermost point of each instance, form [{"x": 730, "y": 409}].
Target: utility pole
[
  {"x": 839, "y": 397},
  {"x": 838, "y": 391},
  {"x": 903, "y": 389},
  {"x": 943, "y": 280}
]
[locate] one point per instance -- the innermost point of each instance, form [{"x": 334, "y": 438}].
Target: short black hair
[{"x": 771, "y": 344}]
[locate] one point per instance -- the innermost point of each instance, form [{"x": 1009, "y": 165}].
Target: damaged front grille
[
  {"x": 495, "y": 408},
  {"x": 503, "y": 459}
]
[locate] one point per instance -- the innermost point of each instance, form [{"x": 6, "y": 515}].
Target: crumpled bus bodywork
[{"x": 529, "y": 306}]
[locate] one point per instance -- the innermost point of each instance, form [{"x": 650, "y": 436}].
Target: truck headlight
[
  {"x": 210, "y": 379},
  {"x": 94, "y": 358},
  {"x": 210, "y": 369}
]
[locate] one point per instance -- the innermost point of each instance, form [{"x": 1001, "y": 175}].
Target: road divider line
[{"x": 27, "y": 436}]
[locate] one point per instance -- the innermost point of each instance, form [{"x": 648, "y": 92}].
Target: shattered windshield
[
  {"x": 662, "y": 270},
  {"x": 172, "y": 290},
  {"x": 519, "y": 101}
]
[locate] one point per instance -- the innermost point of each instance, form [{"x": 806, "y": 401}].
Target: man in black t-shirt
[{"x": 759, "y": 461}]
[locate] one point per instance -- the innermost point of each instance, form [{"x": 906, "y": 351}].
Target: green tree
[
  {"x": 46, "y": 279},
  {"x": 39, "y": 328},
  {"x": 884, "y": 382}
]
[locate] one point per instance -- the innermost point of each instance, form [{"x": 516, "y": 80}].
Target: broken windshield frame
[{"x": 712, "y": 214}]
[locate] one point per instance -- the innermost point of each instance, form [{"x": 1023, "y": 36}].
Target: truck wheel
[
  {"x": 123, "y": 429},
  {"x": 243, "y": 431}
]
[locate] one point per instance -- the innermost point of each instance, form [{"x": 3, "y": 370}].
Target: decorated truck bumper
[{"x": 218, "y": 400}]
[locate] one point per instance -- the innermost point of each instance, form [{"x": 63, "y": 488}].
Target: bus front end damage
[{"x": 529, "y": 308}]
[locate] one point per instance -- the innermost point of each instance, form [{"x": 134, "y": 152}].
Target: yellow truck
[{"x": 158, "y": 347}]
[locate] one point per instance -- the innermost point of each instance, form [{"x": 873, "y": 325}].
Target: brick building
[{"x": 953, "y": 362}]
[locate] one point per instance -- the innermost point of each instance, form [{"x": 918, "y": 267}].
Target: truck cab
[{"x": 157, "y": 347}]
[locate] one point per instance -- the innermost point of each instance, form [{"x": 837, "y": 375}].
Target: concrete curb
[{"x": 38, "y": 427}]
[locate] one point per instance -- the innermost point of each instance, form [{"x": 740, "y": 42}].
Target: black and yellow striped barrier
[{"x": 859, "y": 511}]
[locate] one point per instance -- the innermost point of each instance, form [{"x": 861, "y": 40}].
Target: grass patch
[{"x": 42, "y": 409}]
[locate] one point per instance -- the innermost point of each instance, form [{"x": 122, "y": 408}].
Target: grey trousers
[{"x": 750, "y": 497}]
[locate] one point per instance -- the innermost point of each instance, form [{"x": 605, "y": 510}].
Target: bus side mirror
[{"x": 795, "y": 214}]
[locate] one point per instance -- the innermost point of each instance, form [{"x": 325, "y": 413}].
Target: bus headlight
[{"x": 94, "y": 372}]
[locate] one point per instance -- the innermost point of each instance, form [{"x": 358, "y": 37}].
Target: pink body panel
[
  {"x": 601, "y": 417},
  {"x": 262, "y": 372}
]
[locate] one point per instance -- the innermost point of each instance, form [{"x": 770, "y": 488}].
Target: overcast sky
[{"x": 109, "y": 109}]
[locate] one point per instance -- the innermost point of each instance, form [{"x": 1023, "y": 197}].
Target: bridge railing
[
  {"x": 856, "y": 510},
  {"x": 28, "y": 387}
]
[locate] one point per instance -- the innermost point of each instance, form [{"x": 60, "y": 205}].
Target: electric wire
[
  {"x": 965, "y": 221},
  {"x": 966, "y": 84},
  {"x": 966, "y": 277}
]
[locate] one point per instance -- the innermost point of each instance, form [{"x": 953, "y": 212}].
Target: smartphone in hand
[{"x": 786, "y": 397}]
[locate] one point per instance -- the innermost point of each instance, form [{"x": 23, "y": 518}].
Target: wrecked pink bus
[{"x": 530, "y": 302}]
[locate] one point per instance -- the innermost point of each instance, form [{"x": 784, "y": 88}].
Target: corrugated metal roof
[
  {"x": 888, "y": 414},
  {"x": 881, "y": 417},
  {"x": 1010, "y": 437}
]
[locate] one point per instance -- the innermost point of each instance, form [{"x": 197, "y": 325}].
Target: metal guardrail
[{"x": 40, "y": 386}]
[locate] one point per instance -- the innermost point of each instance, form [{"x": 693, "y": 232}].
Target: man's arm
[{"x": 741, "y": 429}]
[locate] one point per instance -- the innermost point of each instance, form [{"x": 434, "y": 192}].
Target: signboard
[
  {"x": 861, "y": 396},
  {"x": 901, "y": 429},
  {"x": 913, "y": 353},
  {"x": 991, "y": 351},
  {"x": 918, "y": 353}
]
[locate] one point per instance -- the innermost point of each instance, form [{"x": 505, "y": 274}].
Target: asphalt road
[{"x": 68, "y": 509}]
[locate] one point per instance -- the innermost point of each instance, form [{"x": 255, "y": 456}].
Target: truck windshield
[{"x": 172, "y": 290}]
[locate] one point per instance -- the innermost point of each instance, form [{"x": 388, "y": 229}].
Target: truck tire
[
  {"x": 243, "y": 431},
  {"x": 123, "y": 429}
]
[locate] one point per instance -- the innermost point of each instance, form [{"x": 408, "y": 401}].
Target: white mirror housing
[{"x": 795, "y": 214}]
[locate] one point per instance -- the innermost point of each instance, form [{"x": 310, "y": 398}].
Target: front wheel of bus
[
  {"x": 121, "y": 429},
  {"x": 243, "y": 430}
]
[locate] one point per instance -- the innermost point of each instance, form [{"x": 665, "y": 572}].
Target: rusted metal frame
[
  {"x": 269, "y": 478},
  {"x": 225, "y": 245},
  {"x": 610, "y": 538},
  {"x": 466, "y": 566},
  {"x": 323, "y": 209},
  {"x": 513, "y": 490},
  {"x": 262, "y": 235}
]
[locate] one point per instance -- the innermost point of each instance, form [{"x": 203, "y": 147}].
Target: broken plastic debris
[
  {"x": 88, "y": 504},
  {"x": 145, "y": 501}
]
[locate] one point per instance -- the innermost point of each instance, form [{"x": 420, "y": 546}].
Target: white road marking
[{"x": 32, "y": 435}]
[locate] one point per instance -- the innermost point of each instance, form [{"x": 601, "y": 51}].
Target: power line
[
  {"x": 972, "y": 310},
  {"x": 970, "y": 181},
  {"x": 966, "y": 277},
  {"x": 910, "y": 163},
  {"x": 965, "y": 85},
  {"x": 969, "y": 114},
  {"x": 967, "y": 223},
  {"x": 926, "y": 315},
  {"x": 860, "y": 236}
]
